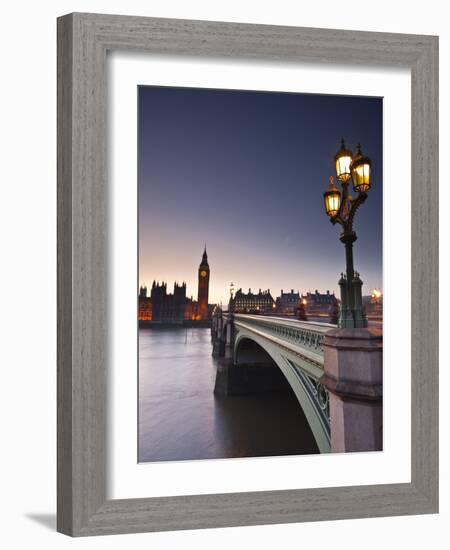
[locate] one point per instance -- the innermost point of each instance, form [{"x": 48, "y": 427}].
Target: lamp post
[
  {"x": 341, "y": 208},
  {"x": 231, "y": 302}
]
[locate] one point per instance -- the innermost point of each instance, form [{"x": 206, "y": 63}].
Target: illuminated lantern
[
  {"x": 332, "y": 197},
  {"x": 360, "y": 169},
  {"x": 343, "y": 159}
]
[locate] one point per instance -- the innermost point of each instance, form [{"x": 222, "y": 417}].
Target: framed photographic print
[{"x": 247, "y": 274}]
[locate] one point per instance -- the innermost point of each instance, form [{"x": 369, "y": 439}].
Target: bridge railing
[{"x": 306, "y": 335}]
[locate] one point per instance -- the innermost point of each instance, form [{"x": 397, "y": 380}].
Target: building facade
[
  {"x": 145, "y": 305},
  {"x": 317, "y": 304},
  {"x": 168, "y": 308},
  {"x": 287, "y": 303},
  {"x": 260, "y": 303}
]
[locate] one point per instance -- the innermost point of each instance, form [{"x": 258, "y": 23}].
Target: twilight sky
[{"x": 245, "y": 172}]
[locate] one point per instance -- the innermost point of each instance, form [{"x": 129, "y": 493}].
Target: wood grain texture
[
  {"x": 425, "y": 272},
  {"x": 64, "y": 253},
  {"x": 83, "y": 243}
]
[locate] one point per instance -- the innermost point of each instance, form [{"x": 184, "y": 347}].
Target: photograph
[
  {"x": 227, "y": 222},
  {"x": 242, "y": 276}
]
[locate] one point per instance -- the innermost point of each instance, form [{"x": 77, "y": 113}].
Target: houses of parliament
[{"x": 163, "y": 308}]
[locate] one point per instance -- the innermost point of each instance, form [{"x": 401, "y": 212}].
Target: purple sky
[{"x": 245, "y": 172}]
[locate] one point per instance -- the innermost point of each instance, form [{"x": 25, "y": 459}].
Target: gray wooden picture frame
[{"x": 83, "y": 240}]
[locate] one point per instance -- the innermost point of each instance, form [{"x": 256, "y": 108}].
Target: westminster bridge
[{"x": 335, "y": 374}]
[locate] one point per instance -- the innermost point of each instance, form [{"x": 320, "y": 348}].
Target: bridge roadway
[{"x": 296, "y": 347}]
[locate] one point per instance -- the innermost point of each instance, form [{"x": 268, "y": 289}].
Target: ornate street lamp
[
  {"x": 341, "y": 207},
  {"x": 231, "y": 291}
]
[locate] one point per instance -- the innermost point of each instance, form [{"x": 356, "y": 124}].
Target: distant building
[
  {"x": 287, "y": 303},
  {"x": 373, "y": 304},
  {"x": 162, "y": 307},
  {"x": 317, "y": 304},
  {"x": 260, "y": 303},
  {"x": 191, "y": 310},
  {"x": 145, "y": 305},
  {"x": 168, "y": 308},
  {"x": 203, "y": 287}
]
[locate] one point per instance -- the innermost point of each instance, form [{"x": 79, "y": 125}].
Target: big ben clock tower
[{"x": 203, "y": 286}]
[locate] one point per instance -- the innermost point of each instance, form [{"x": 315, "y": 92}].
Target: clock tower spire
[{"x": 203, "y": 286}]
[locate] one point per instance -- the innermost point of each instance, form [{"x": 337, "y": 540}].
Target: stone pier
[{"x": 353, "y": 375}]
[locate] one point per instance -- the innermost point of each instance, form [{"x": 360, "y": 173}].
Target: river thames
[{"x": 180, "y": 417}]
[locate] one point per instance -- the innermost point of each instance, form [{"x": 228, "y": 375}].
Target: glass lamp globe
[
  {"x": 361, "y": 167},
  {"x": 332, "y": 198},
  {"x": 343, "y": 159}
]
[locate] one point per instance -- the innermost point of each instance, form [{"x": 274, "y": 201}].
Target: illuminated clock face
[{"x": 203, "y": 273}]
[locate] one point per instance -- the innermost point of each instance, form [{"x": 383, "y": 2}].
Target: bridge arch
[
  {"x": 250, "y": 348},
  {"x": 248, "y": 352}
]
